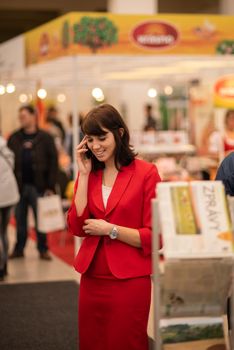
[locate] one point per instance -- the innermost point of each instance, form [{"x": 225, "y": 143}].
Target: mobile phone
[{"x": 88, "y": 154}]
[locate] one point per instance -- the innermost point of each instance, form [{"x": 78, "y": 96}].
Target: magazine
[
  {"x": 201, "y": 333},
  {"x": 189, "y": 288},
  {"x": 195, "y": 220}
]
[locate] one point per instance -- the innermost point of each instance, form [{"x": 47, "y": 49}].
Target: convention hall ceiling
[{"x": 18, "y": 16}]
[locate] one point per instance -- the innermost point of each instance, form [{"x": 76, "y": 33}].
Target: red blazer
[{"x": 129, "y": 205}]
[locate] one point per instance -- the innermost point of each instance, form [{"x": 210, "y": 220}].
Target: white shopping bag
[{"x": 50, "y": 216}]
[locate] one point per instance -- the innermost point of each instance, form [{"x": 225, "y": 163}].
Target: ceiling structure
[
  {"x": 115, "y": 70},
  {"x": 18, "y": 16},
  {"x": 15, "y": 22},
  {"x": 184, "y": 6}
]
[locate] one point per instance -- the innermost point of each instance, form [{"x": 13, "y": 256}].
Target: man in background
[{"x": 36, "y": 168}]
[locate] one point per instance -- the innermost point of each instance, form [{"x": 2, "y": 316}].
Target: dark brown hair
[
  {"x": 29, "y": 108},
  {"x": 107, "y": 117}
]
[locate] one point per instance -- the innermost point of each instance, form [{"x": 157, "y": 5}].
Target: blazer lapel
[
  {"x": 122, "y": 181},
  {"x": 96, "y": 190}
]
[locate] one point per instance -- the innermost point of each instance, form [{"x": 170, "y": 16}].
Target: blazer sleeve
[
  {"x": 74, "y": 222},
  {"x": 225, "y": 174},
  {"x": 151, "y": 180}
]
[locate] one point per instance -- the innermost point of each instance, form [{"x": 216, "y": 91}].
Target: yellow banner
[{"x": 110, "y": 34}]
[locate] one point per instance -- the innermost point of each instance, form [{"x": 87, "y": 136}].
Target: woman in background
[
  {"x": 111, "y": 209},
  {"x": 215, "y": 143},
  {"x": 228, "y": 139}
]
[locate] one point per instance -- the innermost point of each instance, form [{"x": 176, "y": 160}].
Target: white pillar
[
  {"x": 75, "y": 122},
  {"x": 75, "y": 116},
  {"x": 227, "y": 7},
  {"x": 133, "y": 6}
]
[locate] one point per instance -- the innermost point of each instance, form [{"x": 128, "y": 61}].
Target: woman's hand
[
  {"x": 95, "y": 227},
  {"x": 84, "y": 164}
]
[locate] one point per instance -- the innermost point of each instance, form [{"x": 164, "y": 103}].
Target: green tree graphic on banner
[
  {"x": 95, "y": 32},
  {"x": 225, "y": 47}
]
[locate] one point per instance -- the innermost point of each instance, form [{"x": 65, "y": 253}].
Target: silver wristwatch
[{"x": 114, "y": 233}]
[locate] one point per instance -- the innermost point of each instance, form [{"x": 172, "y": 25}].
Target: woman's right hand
[{"x": 84, "y": 163}]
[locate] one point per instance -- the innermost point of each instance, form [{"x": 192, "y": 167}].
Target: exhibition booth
[{"x": 180, "y": 64}]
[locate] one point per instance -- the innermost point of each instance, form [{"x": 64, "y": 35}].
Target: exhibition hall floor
[{"x": 31, "y": 269}]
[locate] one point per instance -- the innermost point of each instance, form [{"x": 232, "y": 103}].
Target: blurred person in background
[
  {"x": 54, "y": 125},
  {"x": 36, "y": 169},
  {"x": 56, "y": 129},
  {"x": 68, "y": 144},
  {"x": 150, "y": 120},
  {"x": 215, "y": 143},
  {"x": 8, "y": 198},
  {"x": 225, "y": 173},
  {"x": 228, "y": 137}
]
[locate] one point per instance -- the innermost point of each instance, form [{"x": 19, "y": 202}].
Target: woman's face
[
  {"x": 103, "y": 146},
  {"x": 230, "y": 122}
]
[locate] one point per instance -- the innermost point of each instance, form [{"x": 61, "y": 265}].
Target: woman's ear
[{"x": 121, "y": 132}]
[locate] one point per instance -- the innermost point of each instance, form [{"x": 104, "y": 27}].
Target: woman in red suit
[{"x": 111, "y": 209}]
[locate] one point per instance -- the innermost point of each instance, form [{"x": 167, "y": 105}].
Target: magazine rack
[{"x": 157, "y": 280}]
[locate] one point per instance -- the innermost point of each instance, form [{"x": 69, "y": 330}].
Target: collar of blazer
[{"x": 122, "y": 180}]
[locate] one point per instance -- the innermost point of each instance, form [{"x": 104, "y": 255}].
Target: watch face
[{"x": 114, "y": 233}]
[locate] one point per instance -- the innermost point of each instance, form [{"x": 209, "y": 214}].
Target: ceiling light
[
  {"x": 42, "y": 93},
  {"x": 101, "y": 98},
  {"x": 61, "y": 98},
  {"x": 10, "y": 88},
  {"x": 2, "y": 90},
  {"x": 168, "y": 90},
  {"x": 97, "y": 93},
  {"x": 152, "y": 93},
  {"x": 23, "y": 98}
]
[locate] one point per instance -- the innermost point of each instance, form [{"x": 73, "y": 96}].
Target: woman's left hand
[{"x": 95, "y": 227}]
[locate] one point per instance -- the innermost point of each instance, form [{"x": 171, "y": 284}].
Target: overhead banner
[{"x": 111, "y": 34}]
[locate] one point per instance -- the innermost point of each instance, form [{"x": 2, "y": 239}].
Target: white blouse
[{"x": 106, "y": 191}]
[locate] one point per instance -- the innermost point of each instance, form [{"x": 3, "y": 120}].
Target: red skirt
[{"x": 113, "y": 313}]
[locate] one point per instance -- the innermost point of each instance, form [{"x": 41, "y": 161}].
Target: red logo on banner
[
  {"x": 224, "y": 87},
  {"x": 155, "y": 35}
]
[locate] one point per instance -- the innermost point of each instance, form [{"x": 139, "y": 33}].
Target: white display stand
[
  {"x": 157, "y": 279},
  {"x": 156, "y": 150}
]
